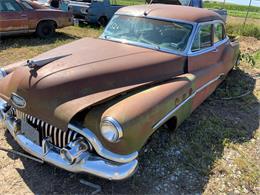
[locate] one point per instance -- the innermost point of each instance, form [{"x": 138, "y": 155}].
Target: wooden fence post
[{"x": 250, "y": 3}]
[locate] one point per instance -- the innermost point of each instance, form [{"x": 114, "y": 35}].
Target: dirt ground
[{"x": 216, "y": 150}]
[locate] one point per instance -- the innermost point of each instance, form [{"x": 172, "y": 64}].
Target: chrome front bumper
[{"x": 90, "y": 164}]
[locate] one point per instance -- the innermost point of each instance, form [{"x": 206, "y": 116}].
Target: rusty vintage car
[
  {"x": 91, "y": 105},
  {"x": 25, "y": 16}
]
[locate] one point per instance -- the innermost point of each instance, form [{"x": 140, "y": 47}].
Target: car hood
[{"x": 92, "y": 71}]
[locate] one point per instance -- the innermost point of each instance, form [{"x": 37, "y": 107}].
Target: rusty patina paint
[
  {"x": 185, "y": 13},
  {"x": 136, "y": 86},
  {"x": 140, "y": 111},
  {"x": 100, "y": 69}
]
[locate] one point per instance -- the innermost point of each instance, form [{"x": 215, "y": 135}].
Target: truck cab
[{"x": 91, "y": 11}]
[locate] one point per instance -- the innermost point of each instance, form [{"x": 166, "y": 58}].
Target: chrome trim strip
[
  {"x": 64, "y": 138},
  {"x": 69, "y": 136},
  {"x": 75, "y": 136},
  {"x": 187, "y": 51},
  {"x": 42, "y": 124},
  {"x": 171, "y": 113},
  {"x": 55, "y": 140},
  {"x": 209, "y": 49},
  {"x": 99, "y": 148},
  {"x": 59, "y": 139}
]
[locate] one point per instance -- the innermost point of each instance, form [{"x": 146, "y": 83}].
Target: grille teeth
[{"x": 59, "y": 138}]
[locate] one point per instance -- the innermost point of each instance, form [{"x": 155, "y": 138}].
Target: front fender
[{"x": 138, "y": 113}]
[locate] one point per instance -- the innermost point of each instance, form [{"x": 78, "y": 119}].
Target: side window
[
  {"x": 203, "y": 38},
  {"x": 27, "y": 5},
  {"x": 10, "y": 6},
  {"x": 219, "y": 33},
  {"x": 1, "y": 7}
]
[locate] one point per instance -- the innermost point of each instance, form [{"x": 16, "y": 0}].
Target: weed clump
[{"x": 250, "y": 30}]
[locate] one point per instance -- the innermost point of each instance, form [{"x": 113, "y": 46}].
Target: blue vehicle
[{"x": 91, "y": 11}]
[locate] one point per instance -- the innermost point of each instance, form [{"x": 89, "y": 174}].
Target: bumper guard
[{"x": 90, "y": 164}]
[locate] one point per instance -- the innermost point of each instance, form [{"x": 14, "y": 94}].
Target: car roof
[{"x": 185, "y": 13}]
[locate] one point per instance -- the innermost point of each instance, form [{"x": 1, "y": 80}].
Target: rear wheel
[
  {"x": 45, "y": 29},
  {"x": 102, "y": 21}
]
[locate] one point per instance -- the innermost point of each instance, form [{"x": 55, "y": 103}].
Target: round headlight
[
  {"x": 2, "y": 73},
  {"x": 111, "y": 130}
]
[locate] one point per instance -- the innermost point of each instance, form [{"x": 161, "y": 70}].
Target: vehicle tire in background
[
  {"x": 45, "y": 29},
  {"x": 102, "y": 21}
]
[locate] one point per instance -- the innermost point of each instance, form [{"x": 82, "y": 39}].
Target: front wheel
[{"x": 45, "y": 29}]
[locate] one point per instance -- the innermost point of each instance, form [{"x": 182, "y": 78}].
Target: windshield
[{"x": 159, "y": 34}]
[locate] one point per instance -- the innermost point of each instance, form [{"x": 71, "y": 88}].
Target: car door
[
  {"x": 208, "y": 59},
  {"x": 13, "y": 17}
]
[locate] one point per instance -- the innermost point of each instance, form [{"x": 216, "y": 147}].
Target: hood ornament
[{"x": 39, "y": 63}]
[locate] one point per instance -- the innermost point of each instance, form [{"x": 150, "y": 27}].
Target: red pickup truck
[{"x": 24, "y": 16}]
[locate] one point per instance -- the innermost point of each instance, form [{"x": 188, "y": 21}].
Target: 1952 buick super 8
[{"x": 91, "y": 105}]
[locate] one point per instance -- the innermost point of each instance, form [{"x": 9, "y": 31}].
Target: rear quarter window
[
  {"x": 203, "y": 38},
  {"x": 27, "y": 5},
  {"x": 219, "y": 32}
]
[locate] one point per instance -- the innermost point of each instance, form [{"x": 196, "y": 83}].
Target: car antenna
[{"x": 146, "y": 11}]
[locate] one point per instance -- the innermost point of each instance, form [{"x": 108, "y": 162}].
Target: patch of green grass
[
  {"x": 236, "y": 13},
  {"x": 230, "y": 6},
  {"x": 250, "y": 30},
  {"x": 256, "y": 56},
  {"x": 235, "y": 10},
  {"x": 130, "y": 2},
  {"x": 13, "y": 49}
]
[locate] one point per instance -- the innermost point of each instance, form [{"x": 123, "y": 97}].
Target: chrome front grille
[{"x": 57, "y": 137}]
